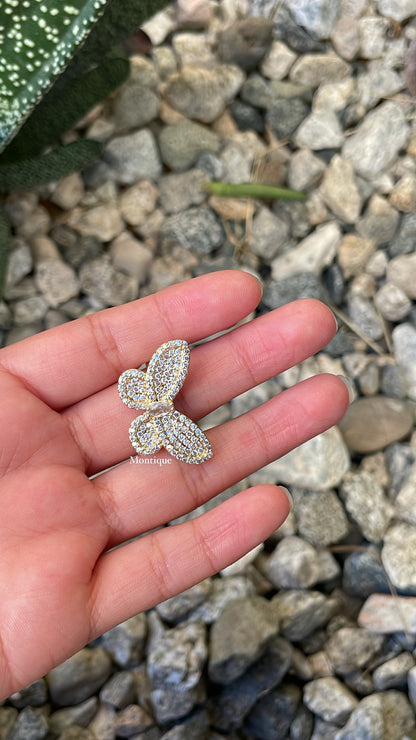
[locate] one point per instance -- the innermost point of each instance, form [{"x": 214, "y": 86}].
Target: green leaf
[
  {"x": 61, "y": 110},
  {"x": 4, "y": 248},
  {"x": 51, "y": 166},
  {"x": 252, "y": 190},
  {"x": 37, "y": 39}
]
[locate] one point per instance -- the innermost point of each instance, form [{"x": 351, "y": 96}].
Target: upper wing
[
  {"x": 182, "y": 438},
  {"x": 167, "y": 370},
  {"x": 132, "y": 389}
]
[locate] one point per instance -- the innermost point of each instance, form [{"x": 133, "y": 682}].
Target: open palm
[{"x": 62, "y": 421}]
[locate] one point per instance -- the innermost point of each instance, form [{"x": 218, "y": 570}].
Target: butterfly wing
[
  {"x": 167, "y": 370},
  {"x": 144, "y": 436},
  {"x": 132, "y": 388},
  {"x": 182, "y": 438}
]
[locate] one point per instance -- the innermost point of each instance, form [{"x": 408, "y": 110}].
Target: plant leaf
[
  {"x": 61, "y": 110},
  {"x": 5, "y": 237},
  {"x": 51, "y": 166},
  {"x": 252, "y": 190},
  {"x": 37, "y": 40}
]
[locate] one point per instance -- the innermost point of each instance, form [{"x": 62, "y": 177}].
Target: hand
[{"x": 62, "y": 421}]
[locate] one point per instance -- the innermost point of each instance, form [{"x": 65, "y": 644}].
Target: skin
[{"x": 63, "y": 421}]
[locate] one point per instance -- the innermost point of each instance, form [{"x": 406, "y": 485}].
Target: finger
[
  {"x": 79, "y": 358},
  {"x": 133, "y": 578},
  {"x": 137, "y": 498},
  {"x": 219, "y": 371}
]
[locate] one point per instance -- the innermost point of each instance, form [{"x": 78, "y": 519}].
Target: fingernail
[
  {"x": 289, "y": 496},
  {"x": 349, "y": 385}
]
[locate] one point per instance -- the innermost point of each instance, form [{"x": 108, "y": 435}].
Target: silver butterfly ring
[{"x": 152, "y": 392}]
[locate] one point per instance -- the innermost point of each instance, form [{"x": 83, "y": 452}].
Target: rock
[
  {"x": 34, "y": 695},
  {"x": 401, "y": 271},
  {"x": 126, "y": 642},
  {"x": 352, "y": 648},
  {"x": 366, "y": 504},
  {"x": 30, "y": 723},
  {"x": 130, "y": 256},
  {"x": 320, "y": 517},
  {"x": 203, "y": 93},
  {"x": 245, "y": 42},
  {"x": 80, "y": 715},
  {"x": 346, "y": 37},
  {"x": 300, "y": 612},
  {"x": 191, "y": 48},
  {"x": 392, "y": 302},
  {"x": 334, "y": 95},
  {"x": 119, "y": 691},
  {"x": 404, "y": 241},
  {"x": 235, "y": 700},
  {"x": 366, "y": 721},
  {"x": 131, "y": 720},
  {"x": 339, "y": 190},
  {"x": 239, "y": 637},
  {"x": 285, "y": 115},
  {"x": 318, "y": 18},
  {"x": 183, "y": 142},
  {"x": 330, "y": 699},
  {"x": 320, "y": 130},
  {"x": 354, "y": 253},
  {"x": 277, "y": 61},
  {"x": 29, "y": 310},
  {"x": 370, "y": 424},
  {"x": 314, "y": 253},
  {"x": 305, "y": 170},
  {"x": 398, "y": 546},
  {"x": 399, "y": 10},
  {"x": 404, "y": 346},
  {"x": 383, "y": 613},
  {"x": 272, "y": 716},
  {"x": 387, "y": 123},
  {"x": 363, "y": 574},
  {"x": 313, "y": 70},
  {"x": 193, "y": 727},
  {"x": 178, "y": 607},
  {"x": 318, "y": 464},
  {"x": 293, "y": 564},
  {"x": 246, "y": 117},
  {"x": 268, "y": 234},
  {"x": 223, "y": 591},
  {"x": 135, "y": 105},
  {"x": 56, "y": 281},
  {"x": 103, "y": 222},
  {"x": 68, "y": 192},
  {"x": 196, "y": 228},
  {"x": 19, "y": 264},
  {"x": 105, "y": 285},
  {"x": 406, "y": 498},
  {"x": 180, "y": 191},
  {"x": 379, "y": 222},
  {"x": 403, "y": 195},
  {"x": 376, "y": 84},
  {"x": 257, "y": 91},
  {"x": 133, "y": 157},
  {"x": 302, "y": 285},
  {"x": 79, "y": 677},
  {"x": 294, "y": 35},
  {"x": 138, "y": 202},
  {"x": 362, "y": 313},
  {"x": 393, "y": 673},
  {"x": 372, "y": 36}
]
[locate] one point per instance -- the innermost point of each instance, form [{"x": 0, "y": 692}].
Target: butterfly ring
[{"x": 152, "y": 392}]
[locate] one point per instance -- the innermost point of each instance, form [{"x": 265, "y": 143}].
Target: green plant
[{"x": 57, "y": 60}]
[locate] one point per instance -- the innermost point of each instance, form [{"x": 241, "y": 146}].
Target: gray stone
[
  {"x": 339, "y": 190},
  {"x": 388, "y": 124},
  {"x": 393, "y": 381},
  {"x": 318, "y": 464},
  {"x": 180, "y": 191},
  {"x": 320, "y": 130},
  {"x": 131, "y": 720},
  {"x": 379, "y": 222},
  {"x": 29, "y": 310},
  {"x": 320, "y": 517},
  {"x": 404, "y": 347},
  {"x": 277, "y": 61},
  {"x": 315, "y": 69},
  {"x": 334, "y": 95},
  {"x": 80, "y": 715},
  {"x": 202, "y": 92},
  {"x": 30, "y": 724},
  {"x": 196, "y": 228},
  {"x": 399, "y": 10},
  {"x": 370, "y": 424},
  {"x": 105, "y": 285},
  {"x": 178, "y": 607},
  {"x": 284, "y": 116},
  {"x": 245, "y": 42},
  {"x": 405, "y": 501},
  {"x": 33, "y": 695},
  {"x": 239, "y": 637},
  {"x": 119, "y": 691},
  {"x": 302, "y": 285},
  {"x": 377, "y": 83},
  {"x": 305, "y": 170},
  {"x": 403, "y": 195},
  {"x": 133, "y": 157},
  {"x": 183, "y": 142},
  {"x": 314, "y": 253},
  {"x": 365, "y": 722},
  {"x": 293, "y": 564},
  {"x": 363, "y": 574},
  {"x": 318, "y": 18},
  {"x": 392, "y": 302},
  {"x": 79, "y": 677},
  {"x": 126, "y": 642},
  {"x": 388, "y": 614},
  {"x": 246, "y": 117},
  {"x": 223, "y": 591},
  {"x": 138, "y": 202},
  {"x": 366, "y": 504},
  {"x": 19, "y": 264},
  {"x": 135, "y": 106},
  {"x": 131, "y": 257},
  {"x": 301, "y": 612},
  {"x": 8, "y": 716},
  {"x": 393, "y": 673},
  {"x": 372, "y": 36},
  {"x": 101, "y": 222},
  {"x": 268, "y": 234},
  {"x": 362, "y": 313},
  {"x": 397, "y": 556},
  {"x": 192, "y": 728},
  {"x": 257, "y": 91},
  {"x": 330, "y": 699},
  {"x": 273, "y": 714},
  {"x": 404, "y": 241},
  {"x": 352, "y": 648},
  {"x": 401, "y": 271},
  {"x": 56, "y": 281}
]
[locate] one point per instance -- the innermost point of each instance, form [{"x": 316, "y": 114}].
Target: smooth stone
[
  {"x": 130, "y": 256},
  {"x": 320, "y": 130},
  {"x": 20, "y": 262},
  {"x": 246, "y": 117},
  {"x": 133, "y": 157},
  {"x": 301, "y": 612},
  {"x": 203, "y": 93},
  {"x": 33, "y": 695},
  {"x": 399, "y": 10},
  {"x": 257, "y": 91},
  {"x": 126, "y": 642},
  {"x": 272, "y": 715},
  {"x": 403, "y": 195},
  {"x": 319, "y": 463},
  {"x": 293, "y": 564},
  {"x": 239, "y": 637},
  {"x": 379, "y": 222},
  {"x": 339, "y": 190},
  {"x": 314, "y": 253},
  {"x": 75, "y": 249},
  {"x": 30, "y": 723},
  {"x": 363, "y": 314},
  {"x": 277, "y": 61},
  {"x": 346, "y": 37},
  {"x": 103, "y": 222},
  {"x": 401, "y": 271},
  {"x": 334, "y": 95},
  {"x": 102, "y": 283},
  {"x": 138, "y": 202},
  {"x": 131, "y": 720},
  {"x": 56, "y": 281},
  {"x": 29, "y": 310},
  {"x": 354, "y": 253},
  {"x": 119, "y": 691},
  {"x": 376, "y": 84},
  {"x": 180, "y": 191},
  {"x": 178, "y": 607},
  {"x": 79, "y": 677},
  {"x": 305, "y": 170},
  {"x": 245, "y": 42},
  {"x": 397, "y": 556},
  {"x": 135, "y": 106},
  {"x": 404, "y": 241},
  {"x": 372, "y": 31},
  {"x": 352, "y": 648},
  {"x": 80, "y": 715},
  {"x": 405, "y": 501},
  {"x": 268, "y": 234},
  {"x": 317, "y": 18},
  {"x": 366, "y": 504},
  {"x": 382, "y": 613},
  {"x": 315, "y": 69},
  {"x": 392, "y": 302},
  {"x": 329, "y": 699},
  {"x": 397, "y": 718},
  {"x": 363, "y": 574},
  {"x": 193, "y": 727},
  {"x": 320, "y": 517},
  {"x": 388, "y": 124},
  {"x": 183, "y": 142},
  {"x": 393, "y": 673},
  {"x": 370, "y": 424},
  {"x": 404, "y": 348},
  {"x": 284, "y": 116}
]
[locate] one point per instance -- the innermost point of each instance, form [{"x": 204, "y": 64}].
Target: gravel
[{"x": 312, "y": 635}]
